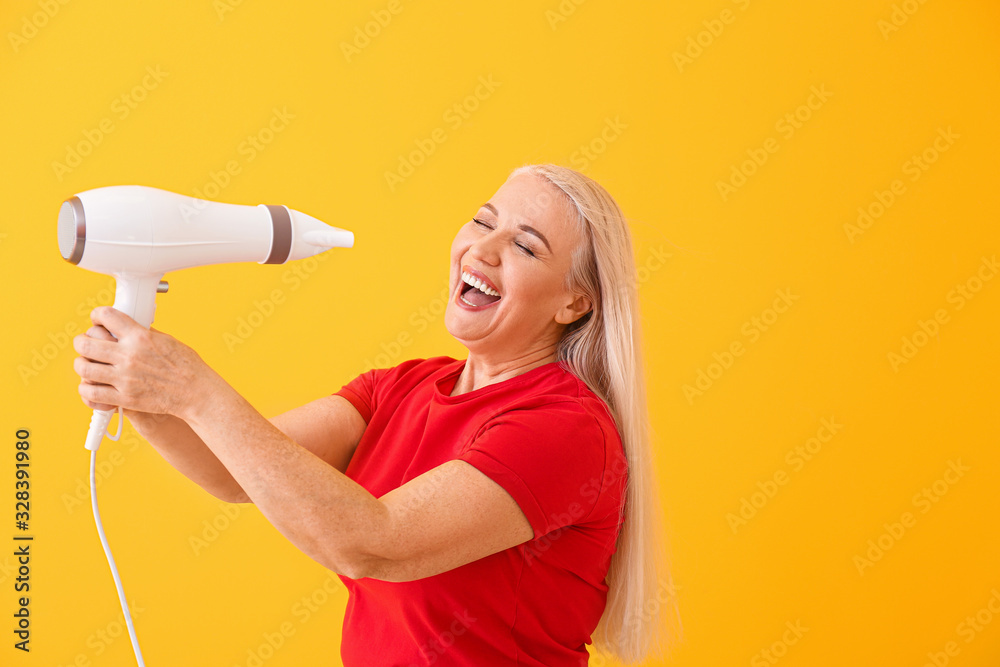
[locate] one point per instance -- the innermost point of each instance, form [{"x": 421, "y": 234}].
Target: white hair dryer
[{"x": 137, "y": 233}]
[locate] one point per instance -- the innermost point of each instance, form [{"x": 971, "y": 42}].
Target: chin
[
  {"x": 453, "y": 327},
  {"x": 449, "y": 315}
]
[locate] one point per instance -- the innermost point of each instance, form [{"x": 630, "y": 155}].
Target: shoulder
[
  {"x": 428, "y": 365},
  {"x": 559, "y": 392},
  {"x": 555, "y": 448},
  {"x": 585, "y": 424},
  {"x": 412, "y": 371},
  {"x": 557, "y": 408},
  {"x": 380, "y": 387}
]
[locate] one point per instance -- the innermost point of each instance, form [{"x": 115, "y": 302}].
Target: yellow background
[{"x": 662, "y": 132}]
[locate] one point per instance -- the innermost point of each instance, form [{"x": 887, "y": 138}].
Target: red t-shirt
[{"x": 551, "y": 443}]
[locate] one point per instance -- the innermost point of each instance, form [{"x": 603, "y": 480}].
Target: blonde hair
[{"x": 604, "y": 349}]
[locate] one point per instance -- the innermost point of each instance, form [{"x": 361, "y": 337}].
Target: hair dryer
[{"x": 137, "y": 233}]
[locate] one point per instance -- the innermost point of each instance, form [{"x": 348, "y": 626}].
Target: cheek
[
  {"x": 461, "y": 244},
  {"x": 532, "y": 286}
]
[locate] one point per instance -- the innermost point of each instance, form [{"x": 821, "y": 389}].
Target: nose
[{"x": 486, "y": 249}]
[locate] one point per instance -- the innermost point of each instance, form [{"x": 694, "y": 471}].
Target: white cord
[{"x": 111, "y": 560}]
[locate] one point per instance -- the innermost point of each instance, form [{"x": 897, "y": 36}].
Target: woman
[{"x": 480, "y": 512}]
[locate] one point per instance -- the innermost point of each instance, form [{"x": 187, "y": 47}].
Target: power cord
[{"x": 95, "y": 422}]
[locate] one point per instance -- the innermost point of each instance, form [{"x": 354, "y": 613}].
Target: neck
[{"x": 481, "y": 371}]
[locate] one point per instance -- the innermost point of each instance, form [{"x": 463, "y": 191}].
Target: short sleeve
[
  {"x": 372, "y": 388},
  {"x": 361, "y": 392},
  {"x": 550, "y": 459}
]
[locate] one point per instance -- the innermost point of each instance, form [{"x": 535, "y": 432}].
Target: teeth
[{"x": 479, "y": 284}]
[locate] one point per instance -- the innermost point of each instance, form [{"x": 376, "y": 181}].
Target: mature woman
[{"x": 496, "y": 510}]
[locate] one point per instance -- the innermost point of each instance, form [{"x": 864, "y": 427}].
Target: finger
[
  {"x": 97, "y": 406},
  {"x": 94, "y": 349},
  {"x": 100, "y": 333},
  {"x": 115, "y": 321},
  {"x": 94, "y": 372},
  {"x": 85, "y": 369},
  {"x": 98, "y": 395}
]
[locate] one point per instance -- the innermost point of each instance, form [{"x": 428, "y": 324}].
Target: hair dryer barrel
[{"x": 139, "y": 229}]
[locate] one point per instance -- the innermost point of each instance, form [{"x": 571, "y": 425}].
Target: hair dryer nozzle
[
  {"x": 311, "y": 236},
  {"x": 333, "y": 238}
]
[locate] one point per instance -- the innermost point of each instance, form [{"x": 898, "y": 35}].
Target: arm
[
  {"x": 330, "y": 427},
  {"x": 183, "y": 449},
  {"x": 445, "y": 518}
]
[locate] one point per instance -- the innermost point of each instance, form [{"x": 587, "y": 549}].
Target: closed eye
[{"x": 524, "y": 248}]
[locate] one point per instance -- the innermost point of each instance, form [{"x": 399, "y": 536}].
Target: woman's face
[{"x": 520, "y": 245}]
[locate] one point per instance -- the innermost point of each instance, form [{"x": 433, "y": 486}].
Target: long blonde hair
[{"x": 604, "y": 349}]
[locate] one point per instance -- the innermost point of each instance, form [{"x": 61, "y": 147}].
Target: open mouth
[{"x": 475, "y": 293}]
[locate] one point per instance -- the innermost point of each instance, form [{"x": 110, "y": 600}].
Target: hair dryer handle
[
  {"x": 98, "y": 427},
  {"x": 136, "y": 297}
]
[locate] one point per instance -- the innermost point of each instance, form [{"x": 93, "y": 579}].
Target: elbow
[
  {"x": 350, "y": 570},
  {"x": 371, "y": 550},
  {"x": 370, "y": 556},
  {"x": 396, "y": 569},
  {"x": 361, "y": 565},
  {"x": 367, "y": 549}
]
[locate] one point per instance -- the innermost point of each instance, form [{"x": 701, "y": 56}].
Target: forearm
[
  {"x": 183, "y": 449},
  {"x": 319, "y": 509}
]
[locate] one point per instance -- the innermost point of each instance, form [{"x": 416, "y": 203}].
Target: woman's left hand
[{"x": 143, "y": 370}]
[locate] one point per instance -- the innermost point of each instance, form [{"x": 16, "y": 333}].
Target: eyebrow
[{"x": 527, "y": 228}]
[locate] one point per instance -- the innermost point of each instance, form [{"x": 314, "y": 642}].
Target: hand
[
  {"x": 137, "y": 418},
  {"x": 100, "y": 333},
  {"x": 141, "y": 370}
]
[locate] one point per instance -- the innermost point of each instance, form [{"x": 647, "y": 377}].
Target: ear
[{"x": 580, "y": 306}]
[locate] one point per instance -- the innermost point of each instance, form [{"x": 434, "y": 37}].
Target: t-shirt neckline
[{"x": 446, "y": 383}]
